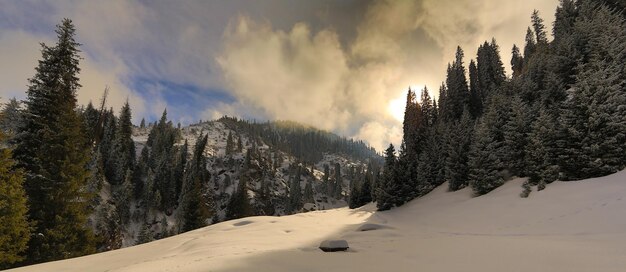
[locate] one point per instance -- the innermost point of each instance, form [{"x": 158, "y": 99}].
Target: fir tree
[
  {"x": 122, "y": 196},
  {"x": 517, "y": 61},
  {"x": 429, "y": 111},
  {"x": 326, "y": 178},
  {"x": 595, "y": 114},
  {"x": 355, "y": 195},
  {"x": 516, "y": 130},
  {"x": 108, "y": 228},
  {"x": 145, "y": 234},
  {"x": 338, "y": 184},
  {"x": 295, "y": 194},
  {"x": 308, "y": 197},
  {"x": 490, "y": 70},
  {"x": 485, "y": 166},
  {"x": 229, "y": 144},
  {"x": 15, "y": 229},
  {"x": 476, "y": 103},
  {"x": 53, "y": 150},
  {"x": 458, "y": 140},
  {"x": 365, "y": 188},
  {"x": 239, "y": 204},
  {"x": 388, "y": 187},
  {"x": 107, "y": 146},
  {"x": 124, "y": 148},
  {"x": 457, "y": 93},
  {"x": 239, "y": 145},
  {"x": 11, "y": 118},
  {"x": 531, "y": 44},
  {"x": 196, "y": 199},
  {"x": 178, "y": 172},
  {"x": 540, "y": 29}
]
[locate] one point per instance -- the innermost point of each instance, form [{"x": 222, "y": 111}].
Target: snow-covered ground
[{"x": 570, "y": 226}]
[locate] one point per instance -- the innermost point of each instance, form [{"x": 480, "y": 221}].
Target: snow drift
[{"x": 570, "y": 226}]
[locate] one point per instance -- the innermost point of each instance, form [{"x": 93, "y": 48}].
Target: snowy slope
[{"x": 570, "y": 226}]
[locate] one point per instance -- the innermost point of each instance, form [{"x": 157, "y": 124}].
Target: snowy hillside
[
  {"x": 570, "y": 226},
  {"x": 221, "y": 165}
]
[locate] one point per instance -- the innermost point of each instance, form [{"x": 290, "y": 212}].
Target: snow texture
[{"x": 569, "y": 226}]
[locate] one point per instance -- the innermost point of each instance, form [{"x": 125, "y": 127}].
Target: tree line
[{"x": 560, "y": 116}]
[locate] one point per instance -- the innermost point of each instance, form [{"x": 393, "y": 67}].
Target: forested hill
[{"x": 305, "y": 142}]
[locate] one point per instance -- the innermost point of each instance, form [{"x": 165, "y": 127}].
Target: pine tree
[
  {"x": 458, "y": 140},
  {"x": 229, "y": 144},
  {"x": 326, "y": 178},
  {"x": 530, "y": 47},
  {"x": 107, "y": 146},
  {"x": 178, "y": 172},
  {"x": 338, "y": 184},
  {"x": 355, "y": 194},
  {"x": 122, "y": 196},
  {"x": 12, "y": 118},
  {"x": 595, "y": 113},
  {"x": 53, "y": 150},
  {"x": 541, "y": 149},
  {"x": 308, "y": 193},
  {"x": 91, "y": 117},
  {"x": 565, "y": 18},
  {"x": 196, "y": 199},
  {"x": 490, "y": 70},
  {"x": 239, "y": 204},
  {"x": 414, "y": 129},
  {"x": 516, "y": 130},
  {"x": 145, "y": 234},
  {"x": 540, "y": 29},
  {"x": 485, "y": 166},
  {"x": 239, "y": 145},
  {"x": 365, "y": 188},
  {"x": 412, "y": 121},
  {"x": 429, "y": 111},
  {"x": 386, "y": 193},
  {"x": 124, "y": 148},
  {"x": 108, "y": 228},
  {"x": 295, "y": 194},
  {"x": 476, "y": 103},
  {"x": 517, "y": 61},
  {"x": 14, "y": 229},
  {"x": 457, "y": 93}
]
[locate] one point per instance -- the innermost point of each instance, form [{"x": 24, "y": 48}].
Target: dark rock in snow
[
  {"x": 370, "y": 226},
  {"x": 334, "y": 245}
]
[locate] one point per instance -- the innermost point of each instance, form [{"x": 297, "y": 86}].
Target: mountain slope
[
  {"x": 570, "y": 226},
  {"x": 286, "y": 167}
]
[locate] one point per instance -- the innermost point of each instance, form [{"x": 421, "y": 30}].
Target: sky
[{"x": 342, "y": 66}]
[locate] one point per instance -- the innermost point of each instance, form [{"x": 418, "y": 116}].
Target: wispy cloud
[
  {"x": 334, "y": 64},
  {"x": 309, "y": 76}
]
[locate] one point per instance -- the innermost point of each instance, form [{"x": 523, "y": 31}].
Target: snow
[{"x": 569, "y": 226}]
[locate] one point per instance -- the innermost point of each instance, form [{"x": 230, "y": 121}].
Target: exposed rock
[
  {"x": 334, "y": 245},
  {"x": 370, "y": 226}
]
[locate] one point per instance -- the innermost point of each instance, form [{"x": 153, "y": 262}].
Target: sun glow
[{"x": 396, "y": 105}]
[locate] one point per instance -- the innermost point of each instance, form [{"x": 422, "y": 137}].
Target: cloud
[
  {"x": 338, "y": 65},
  {"x": 19, "y": 55},
  {"x": 312, "y": 77},
  {"x": 22, "y": 50}
]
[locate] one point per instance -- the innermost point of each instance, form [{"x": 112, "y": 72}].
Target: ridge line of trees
[{"x": 561, "y": 116}]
